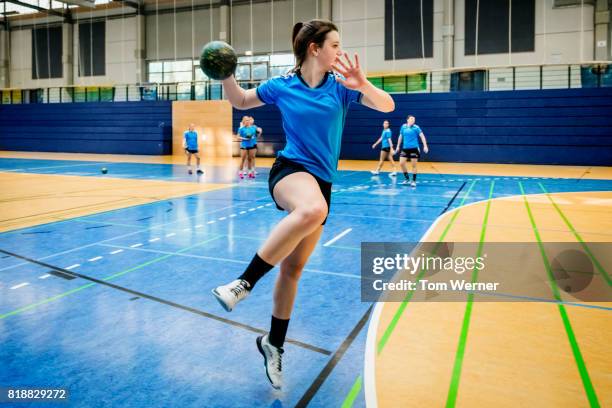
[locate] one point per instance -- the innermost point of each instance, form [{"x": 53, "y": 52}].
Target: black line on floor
[
  {"x": 331, "y": 364},
  {"x": 165, "y": 302},
  {"x": 62, "y": 275},
  {"x": 145, "y": 218},
  {"x": 453, "y": 199},
  {"x": 98, "y": 226}
]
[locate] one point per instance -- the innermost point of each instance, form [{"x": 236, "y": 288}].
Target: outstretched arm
[
  {"x": 240, "y": 98},
  {"x": 355, "y": 78}
]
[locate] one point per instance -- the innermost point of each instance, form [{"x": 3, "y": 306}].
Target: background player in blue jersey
[
  {"x": 190, "y": 144},
  {"x": 313, "y": 103},
  {"x": 386, "y": 150},
  {"x": 253, "y": 152},
  {"x": 408, "y": 142},
  {"x": 246, "y": 134}
]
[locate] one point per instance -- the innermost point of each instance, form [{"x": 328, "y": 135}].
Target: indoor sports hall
[{"x": 131, "y": 191}]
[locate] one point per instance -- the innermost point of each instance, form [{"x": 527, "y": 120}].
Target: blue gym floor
[{"x": 134, "y": 324}]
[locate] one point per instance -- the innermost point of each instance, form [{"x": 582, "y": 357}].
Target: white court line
[
  {"x": 251, "y": 209},
  {"x": 44, "y": 276},
  {"x": 267, "y": 195},
  {"x": 56, "y": 167},
  {"x": 232, "y": 215},
  {"x": 116, "y": 252},
  {"x": 211, "y": 222},
  {"x": 170, "y": 235},
  {"x": 72, "y": 266},
  {"x": 337, "y": 237},
  {"x": 136, "y": 245},
  {"x": 345, "y": 275},
  {"x": 97, "y": 258},
  {"x": 242, "y": 212},
  {"x": 151, "y": 240},
  {"x": 267, "y": 205},
  {"x": 260, "y": 206},
  {"x": 21, "y": 285},
  {"x": 222, "y": 218},
  {"x": 187, "y": 229}
]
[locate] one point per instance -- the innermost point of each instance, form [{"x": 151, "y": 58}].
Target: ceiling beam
[
  {"x": 41, "y": 9},
  {"x": 135, "y": 4}
]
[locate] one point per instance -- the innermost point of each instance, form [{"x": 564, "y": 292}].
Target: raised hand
[{"x": 354, "y": 78}]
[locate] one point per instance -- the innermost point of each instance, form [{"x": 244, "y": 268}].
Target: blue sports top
[{"x": 313, "y": 119}]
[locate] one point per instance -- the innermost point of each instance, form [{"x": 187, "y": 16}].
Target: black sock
[
  {"x": 406, "y": 176},
  {"x": 278, "y": 331},
  {"x": 413, "y": 176},
  {"x": 256, "y": 270}
]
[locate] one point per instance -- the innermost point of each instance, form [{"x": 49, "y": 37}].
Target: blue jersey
[
  {"x": 386, "y": 136},
  {"x": 191, "y": 139},
  {"x": 313, "y": 119},
  {"x": 247, "y": 132},
  {"x": 410, "y": 136},
  {"x": 254, "y": 140}
]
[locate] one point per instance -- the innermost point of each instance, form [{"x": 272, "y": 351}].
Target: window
[
  {"x": 408, "y": 28},
  {"x": 47, "y": 53},
  {"x": 92, "y": 49},
  {"x": 172, "y": 71},
  {"x": 489, "y": 21},
  {"x": 259, "y": 71}
]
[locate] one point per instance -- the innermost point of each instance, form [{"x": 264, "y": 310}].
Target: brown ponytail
[{"x": 313, "y": 31}]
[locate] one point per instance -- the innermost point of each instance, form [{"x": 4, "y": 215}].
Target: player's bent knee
[{"x": 312, "y": 214}]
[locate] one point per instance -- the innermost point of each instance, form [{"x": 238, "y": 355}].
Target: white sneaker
[
  {"x": 273, "y": 361},
  {"x": 393, "y": 174},
  {"x": 374, "y": 172},
  {"x": 232, "y": 293},
  {"x": 413, "y": 184},
  {"x": 406, "y": 181}
]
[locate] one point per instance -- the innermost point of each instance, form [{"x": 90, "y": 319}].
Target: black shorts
[
  {"x": 385, "y": 149},
  {"x": 413, "y": 153},
  {"x": 248, "y": 148},
  {"x": 191, "y": 151},
  {"x": 283, "y": 167}
]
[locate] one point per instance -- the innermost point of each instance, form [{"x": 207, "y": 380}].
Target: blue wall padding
[
  {"x": 98, "y": 127},
  {"x": 557, "y": 126}
]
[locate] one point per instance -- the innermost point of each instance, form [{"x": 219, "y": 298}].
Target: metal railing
[{"x": 501, "y": 78}]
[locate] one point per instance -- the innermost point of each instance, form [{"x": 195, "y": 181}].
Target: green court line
[
  {"x": 132, "y": 269},
  {"x": 387, "y": 334},
  {"x": 451, "y": 399},
  {"x": 398, "y": 314},
  {"x": 350, "y": 398},
  {"x": 584, "y": 374},
  {"x": 586, "y": 248}
]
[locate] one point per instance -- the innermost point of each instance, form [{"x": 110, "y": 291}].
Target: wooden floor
[
  {"x": 516, "y": 354},
  {"x": 33, "y": 199}
]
